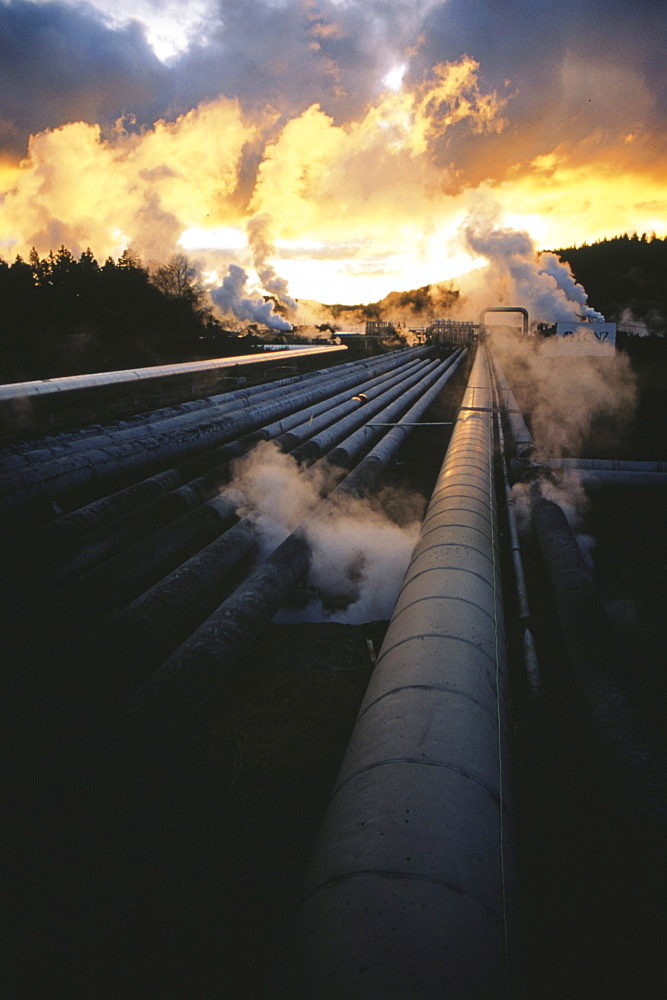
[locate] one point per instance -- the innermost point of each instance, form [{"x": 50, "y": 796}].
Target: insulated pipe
[
  {"x": 321, "y": 443},
  {"x": 52, "y": 539},
  {"x": 69, "y": 383},
  {"x": 125, "y": 575},
  {"x": 408, "y": 893},
  {"x": 523, "y": 439},
  {"x": 328, "y": 434},
  {"x": 147, "y": 425},
  {"x": 347, "y": 453},
  {"x": 624, "y": 761},
  {"x": 119, "y": 579},
  {"x": 289, "y": 434},
  {"x": 91, "y": 469},
  {"x": 365, "y": 474},
  {"x": 186, "y": 678},
  {"x": 167, "y": 419},
  {"x": 105, "y": 509}
]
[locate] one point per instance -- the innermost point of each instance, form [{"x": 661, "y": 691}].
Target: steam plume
[
  {"x": 232, "y": 299},
  {"x": 359, "y": 553},
  {"x": 521, "y": 276},
  {"x": 257, "y": 230}
]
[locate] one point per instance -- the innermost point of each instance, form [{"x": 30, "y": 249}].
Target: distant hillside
[
  {"x": 626, "y": 280},
  {"x": 419, "y": 305}
]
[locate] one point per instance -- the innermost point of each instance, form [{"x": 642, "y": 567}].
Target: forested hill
[
  {"x": 626, "y": 280},
  {"x": 60, "y": 315}
]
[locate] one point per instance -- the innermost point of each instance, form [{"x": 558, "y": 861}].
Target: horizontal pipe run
[
  {"x": 183, "y": 682},
  {"x": 72, "y": 383},
  {"x": 71, "y": 557},
  {"x": 114, "y": 582},
  {"x": 331, "y": 436},
  {"x": 180, "y": 415},
  {"x": 128, "y": 636},
  {"x": 408, "y": 893},
  {"x": 521, "y": 436},
  {"x": 210, "y": 555},
  {"x": 350, "y": 450},
  {"x": 119, "y": 579},
  {"x": 95, "y": 468},
  {"x": 358, "y": 482},
  {"x": 211, "y": 652}
]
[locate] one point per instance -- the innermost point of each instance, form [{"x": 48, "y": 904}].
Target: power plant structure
[{"x": 138, "y": 579}]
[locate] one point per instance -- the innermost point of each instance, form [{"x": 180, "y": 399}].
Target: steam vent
[{"x": 336, "y": 672}]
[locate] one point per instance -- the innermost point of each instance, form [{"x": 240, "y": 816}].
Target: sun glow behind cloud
[
  {"x": 363, "y": 150},
  {"x": 170, "y": 26}
]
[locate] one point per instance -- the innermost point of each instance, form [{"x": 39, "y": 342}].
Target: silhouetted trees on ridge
[
  {"x": 625, "y": 278},
  {"x": 60, "y": 315}
]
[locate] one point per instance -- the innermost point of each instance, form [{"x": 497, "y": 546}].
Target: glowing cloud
[{"x": 333, "y": 146}]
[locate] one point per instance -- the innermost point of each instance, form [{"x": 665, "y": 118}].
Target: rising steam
[
  {"x": 359, "y": 554},
  {"x": 519, "y": 275},
  {"x": 232, "y": 299},
  {"x": 263, "y": 250}
]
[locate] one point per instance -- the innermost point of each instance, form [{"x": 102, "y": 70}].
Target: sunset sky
[{"x": 332, "y": 149}]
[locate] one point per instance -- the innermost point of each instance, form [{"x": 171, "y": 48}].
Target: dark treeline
[
  {"x": 63, "y": 316},
  {"x": 626, "y": 279}
]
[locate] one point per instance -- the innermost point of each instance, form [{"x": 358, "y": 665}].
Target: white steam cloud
[
  {"x": 263, "y": 249},
  {"x": 232, "y": 299},
  {"x": 359, "y": 554},
  {"x": 519, "y": 275}
]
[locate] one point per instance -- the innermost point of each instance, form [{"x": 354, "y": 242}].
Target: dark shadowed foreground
[{"x": 170, "y": 872}]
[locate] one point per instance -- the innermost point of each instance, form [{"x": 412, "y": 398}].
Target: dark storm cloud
[
  {"x": 575, "y": 72},
  {"x": 60, "y": 64},
  {"x": 295, "y": 54},
  {"x": 572, "y": 73}
]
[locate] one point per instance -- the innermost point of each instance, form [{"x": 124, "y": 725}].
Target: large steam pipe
[
  {"x": 115, "y": 505},
  {"x": 521, "y": 436},
  {"x": 408, "y": 893},
  {"x": 167, "y": 419},
  {"x": 70, "y": 383},
  {"x": 122, "y": 577},
  {"x": 175, "y": 690},
  {"x": 57, "y": 537},
  {"x": 96, "y": 467}
]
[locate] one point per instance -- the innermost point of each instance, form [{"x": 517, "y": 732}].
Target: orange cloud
[
  {"x": 79, "y": 188},
  {"x": 358, "y": 207}
]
